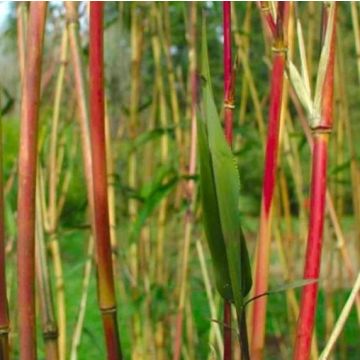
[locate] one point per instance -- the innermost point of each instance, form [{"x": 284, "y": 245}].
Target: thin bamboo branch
[
  {"x": 341, "y": 320},
  {"x": 52, "y": 213},
  {"x": 76, "y": 338},
  {"x": 49, "y": 326},
  {"x": 209, "y": 293}
]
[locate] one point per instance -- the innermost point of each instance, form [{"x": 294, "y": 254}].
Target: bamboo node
[
  {"x": 321, "y": 130},
  {"x": 228, "y": 105},
  {"x": 50, "y": 334},
  {"x": 279, "y": 49},
  {"x": 111, "y": 310},
  {"x": 265, "y": 8},
  {"x": 4, "y": 330}
]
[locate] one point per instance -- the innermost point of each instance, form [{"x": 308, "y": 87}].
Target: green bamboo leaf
[
  {"x": 227, "y": 189},
  {"x": 151, "y": 202},
  {"x": 292, "y": 285},
  {"x": 281, "y": 288},
  {"x": 211, "y": 216}
]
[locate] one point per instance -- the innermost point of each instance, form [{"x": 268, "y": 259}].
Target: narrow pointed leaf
[
  {"x": 211, "y": 216},
  {"x": 227, "y": 185}
]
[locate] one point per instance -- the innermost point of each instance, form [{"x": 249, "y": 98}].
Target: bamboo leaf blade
[
  {"x": 211, "y": 216},
  {"x": 227, "y": 185}
]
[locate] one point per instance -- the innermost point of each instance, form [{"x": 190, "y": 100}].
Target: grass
[{"x": 73, "y": 245}]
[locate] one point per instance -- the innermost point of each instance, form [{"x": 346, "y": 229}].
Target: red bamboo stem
[
  {"x": 317, "y": 209},
  {"x": 4, "y": 315},
  {"x": 228, "y": 129},
  {"x": 262, "y": 263},
  {"x": 313, "y": 252},
  {"x": 27, "y": 179},
  {"x": 106, "y": 289},
  {"x": 267, "y": 16},
  {"x": 271, "y": 160}
]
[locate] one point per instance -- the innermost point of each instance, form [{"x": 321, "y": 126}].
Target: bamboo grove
[{"x": 179, "y": 180}]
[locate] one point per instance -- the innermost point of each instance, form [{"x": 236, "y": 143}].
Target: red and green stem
[
  {"x": 27, "y": 181},
  {"x": 228, "y": 128},
  {"x": 321, "y": 133},
  {"x": 106, "y": 288},
  {"x": 269, "y": 179}
]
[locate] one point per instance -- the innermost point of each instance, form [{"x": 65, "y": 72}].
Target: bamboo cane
[
  {"x": 228, "y": 131},
  {"x": 321, "y": 133},
  {"x": 4, "y": 314},
  {"x": 27, "y": 180},
  {"x": 52, "y": 206},
  {"x": 106, "y": 288},
  {"x": 189, "y": 193},
  {"x": 271, "y": 154},
  {"x": 49, "y": 326}
]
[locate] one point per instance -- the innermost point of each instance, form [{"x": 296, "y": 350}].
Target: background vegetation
[{"x": 150, "y": 207}]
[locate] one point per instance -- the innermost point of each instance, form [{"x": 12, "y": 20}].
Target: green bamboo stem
[
  {"x": 164, "y": 27},
  {"x": 76, "y": 337},
  {"x": 81, "y": 97},
  {"x": 136, "y": 57},
  {"x": 27, "y": 180},
  {"x": 52, "y": 211},
  {"x": 215, "y": 329},
  {"x": 162, "y": 214},
  {"x": 137, "y": 40},
  {"x": 49, "y": 326},
  {"x": 341, "y": 320},
  {"x": 64, "y": 188},
  {"x": 110, "y": 186},
  {"x": 189, "y": 190}
]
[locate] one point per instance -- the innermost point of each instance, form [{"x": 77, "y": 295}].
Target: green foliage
[
  {"x": 220, "y": 189},
  {"x": 153, "y": 193}
]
